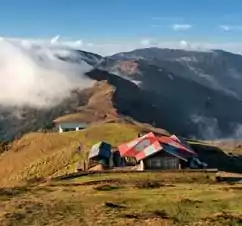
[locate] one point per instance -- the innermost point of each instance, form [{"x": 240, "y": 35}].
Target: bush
[{"x": 3, "y": 146}]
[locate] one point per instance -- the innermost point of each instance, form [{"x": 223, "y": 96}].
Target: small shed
[
  {"x": 71, "y": 126},
  {"x": 100, "y": 153}
]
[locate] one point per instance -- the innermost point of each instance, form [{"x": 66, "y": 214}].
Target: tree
[{"x": 3, "y": 146}]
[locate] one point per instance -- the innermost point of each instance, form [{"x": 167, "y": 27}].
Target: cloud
[
  {"x": 79, "y": 42},
  {"x": 184, "y": 44},
  {"x": 32, "y": 74},
  {"x": 54, "y": 40},
  {"x": 228, "y": 28},
  {"x": 112, "y": 48},
  {"x": 145, "y": 42},
  {"x": 181, "y": 27},
  {"x": 208, "y": 128},
  {"x": 89, "y": 44}
]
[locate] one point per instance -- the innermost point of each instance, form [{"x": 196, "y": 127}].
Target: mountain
[
  {"x": 191, "y": 93},
  {"x": 188, "y": 92}
]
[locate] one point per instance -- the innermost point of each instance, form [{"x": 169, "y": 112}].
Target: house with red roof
[{"x": 159, "y": 152}]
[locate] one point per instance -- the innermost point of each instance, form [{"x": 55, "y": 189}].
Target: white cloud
[
  {"x": 55, "y": 39},
  {"x": 184, "y": 44},
  {"x": 224, "y": 27},
  {"x": 89, "y": 44},
  {"x": 109, "y": 48},
  {"x": 79, "y": 42},
  {"x": 145, "y": 42},
  {"x": 181, "y": 27},
  {"x": 38, "y": 77},
  {"x": 112, "y": 48},
  {"x": 230, "y": 27}
]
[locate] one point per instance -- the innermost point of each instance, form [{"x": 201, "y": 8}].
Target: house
[
  {"x": 70, "y": 126},
  {"x": 100, "y": 154},
  {"x": 153, "y": 152}
]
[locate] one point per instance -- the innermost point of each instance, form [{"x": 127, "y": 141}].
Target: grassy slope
[
  {"x": 45, "y": 154},
  {"x": 140, "y": 199},
  {"x": 230, "y": 146},
  {"x": 98, "y": 108}
]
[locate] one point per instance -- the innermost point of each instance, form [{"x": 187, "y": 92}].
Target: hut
[
  {"x": 153, "y": 152},
  {"x": 100, "y": 154},
  {"x": 70, "y": 126}
]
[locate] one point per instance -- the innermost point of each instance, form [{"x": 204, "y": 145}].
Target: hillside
[
  {"x": 91, "y": 105},
  {"x": 37, "y": 155},
  {"x": 186, "y": 92}
]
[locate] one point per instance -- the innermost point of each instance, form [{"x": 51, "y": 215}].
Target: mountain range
[{"x": 190, "y": 93}]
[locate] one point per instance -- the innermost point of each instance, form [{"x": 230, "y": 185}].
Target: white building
[{"x": 67, "y": 126}]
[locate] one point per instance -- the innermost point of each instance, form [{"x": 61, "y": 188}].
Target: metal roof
[
  {"x": 101, "y": 149},
  {"x": 149, "y": 144},
  {"x": 72, "y": 125}
]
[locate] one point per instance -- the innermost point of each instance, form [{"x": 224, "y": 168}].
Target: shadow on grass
[
  {"x": 224, "y": 218},
  {"x": 151, "y": 184},
  {"x": 43, "y": 213},
  {"x": 89, "y": 183},
  {"x": 11, "y": 192},
  {"x": 107, "y": 187},
  {"x": 158, "y": 214}
]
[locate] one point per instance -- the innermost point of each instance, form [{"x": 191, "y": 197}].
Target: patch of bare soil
[
  {"x": 189, "y": 201},
  {"x": 108, "y": 181},
  {"x": 114, "y": 205},
  {"x": 159, "y": 214},
  {"x": 151, "y": 184},
  {"x": 225, "y": 218},
  {"x": 107, "y": 187},
  {"x": 9, "y": 192}
]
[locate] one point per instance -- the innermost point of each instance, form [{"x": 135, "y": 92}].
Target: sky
[{"x": 108, "y": 26}]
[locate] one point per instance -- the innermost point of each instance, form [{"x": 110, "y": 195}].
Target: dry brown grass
[
  {"x": 98, "y": 108},
  {"x": 230, "y": 146},
  {"x": 46, "y": 154}
]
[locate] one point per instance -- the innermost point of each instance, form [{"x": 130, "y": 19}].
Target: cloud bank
[
  {"x": 228, "y": 28},
  {"x": 31, "y": 74},
  {"x": 181, "y": 27}
]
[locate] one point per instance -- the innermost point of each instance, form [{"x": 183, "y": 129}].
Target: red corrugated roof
[
  {"x": 174, "y": 143},
  {"x": 149, "y": 144},
  {"x": 137, "y": 145}
]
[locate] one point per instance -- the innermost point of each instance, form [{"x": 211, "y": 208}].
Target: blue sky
[{"x": 123, "y": 20}]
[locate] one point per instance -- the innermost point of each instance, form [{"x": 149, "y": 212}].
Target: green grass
[
  {"x": 118, "y": 199},
  {"x": 47, "y": 154}
]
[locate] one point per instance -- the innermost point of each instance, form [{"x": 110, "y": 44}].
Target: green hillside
[
  {"x": 46, "y": 154},
  {"x": 142, "y": 199}
]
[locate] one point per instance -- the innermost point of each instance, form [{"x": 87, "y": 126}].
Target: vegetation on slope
[
  {"x": 131, "y": 199},
  {"x": 99, "y": 106},
  {"x": 45, "y": 154}
]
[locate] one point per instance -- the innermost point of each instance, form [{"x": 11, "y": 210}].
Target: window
[
  {"x": 170, "y": 162},
  {"x": 163, "y": 163}
]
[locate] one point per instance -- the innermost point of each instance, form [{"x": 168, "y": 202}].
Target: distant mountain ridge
[{"x": 191, "y": 93}]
